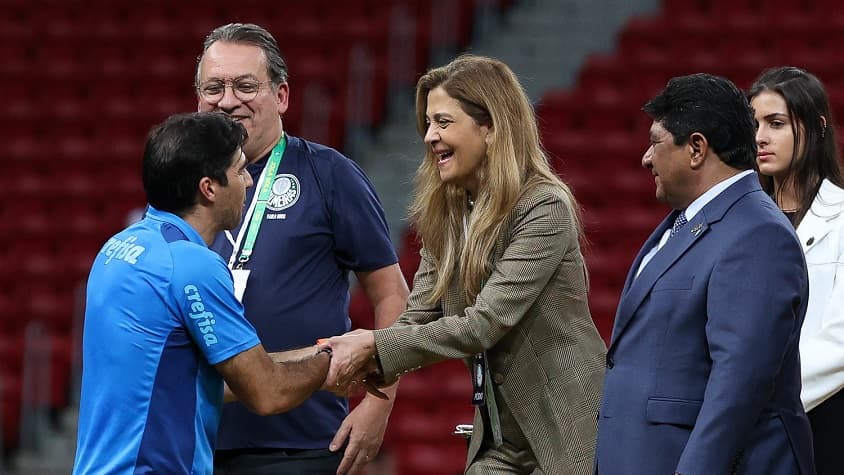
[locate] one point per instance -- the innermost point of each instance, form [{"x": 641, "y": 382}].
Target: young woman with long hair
[{"x": 800, "y": 168}]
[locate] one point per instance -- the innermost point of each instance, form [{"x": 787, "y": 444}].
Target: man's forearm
[
  {"x": 387, "y": 291},
  {"x": 298, "y": 354},
  {"x": 301, "y": 367},
  {"x": 387, "y": 311},
  {"x": 390, "y": 391},
  {"x": 298, "y": 379},
  {"x": 228, "y": 395},
  {"x": 266, "y": 387}
]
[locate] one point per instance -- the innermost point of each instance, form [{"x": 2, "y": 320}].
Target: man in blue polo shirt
[
  {"x": 312, "y": 220},
  {"x": 163, "y": 327}
]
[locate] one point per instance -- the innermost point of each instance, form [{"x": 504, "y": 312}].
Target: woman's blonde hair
[{"x": 490, "y": 93}]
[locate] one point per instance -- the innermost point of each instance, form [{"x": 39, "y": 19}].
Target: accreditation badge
[
  {"x": 240, "y": 277},
  {"x": 478, "y": 379}
]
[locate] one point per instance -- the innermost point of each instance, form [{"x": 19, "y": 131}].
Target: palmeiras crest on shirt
[{"x": 284, "y": 192}]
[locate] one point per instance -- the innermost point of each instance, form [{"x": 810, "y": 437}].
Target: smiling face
[
  {"x": 775, "y": 134},
  {"x": 242, "y": 62},
  {"x": 458, "y": 143},
  {"x": 670, "y": 165}
]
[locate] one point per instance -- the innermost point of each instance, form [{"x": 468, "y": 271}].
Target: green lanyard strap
[{"x": 261, "y": 206}]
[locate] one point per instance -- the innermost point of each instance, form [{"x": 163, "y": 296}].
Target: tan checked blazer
[{"x": 545, "y": 355}]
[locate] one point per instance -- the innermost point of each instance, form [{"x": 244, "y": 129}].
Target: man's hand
[{"x": 364, "y": 429}]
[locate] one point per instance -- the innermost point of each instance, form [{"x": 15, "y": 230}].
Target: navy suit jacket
[{"x": 703, "y": 372}]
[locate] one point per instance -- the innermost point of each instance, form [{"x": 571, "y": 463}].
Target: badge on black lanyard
[{"x": 478, "y": 374}]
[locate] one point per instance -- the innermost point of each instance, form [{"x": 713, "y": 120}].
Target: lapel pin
[{"x": 697, "y": 229}]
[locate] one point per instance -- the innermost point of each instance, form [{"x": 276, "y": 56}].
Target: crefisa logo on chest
[{"x": 284, "y": 193}]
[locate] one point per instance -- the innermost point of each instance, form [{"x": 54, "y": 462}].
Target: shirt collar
[
  {"x": 259, "y": 164},
  {"x": 167, "y": 217},
  {"x": 712, "y": 193}
]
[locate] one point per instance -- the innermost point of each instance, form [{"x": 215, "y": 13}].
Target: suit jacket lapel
[
  {"x": 649, "y": 244},
  {"x": 653, "y": 270},
  {"x": 653, "y": 240},
  {"x": 637, "y": 289}
]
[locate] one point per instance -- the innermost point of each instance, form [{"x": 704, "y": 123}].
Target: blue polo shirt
[
  {"x": 323, "y": 219},
  {"x": 160, "y": 312}
]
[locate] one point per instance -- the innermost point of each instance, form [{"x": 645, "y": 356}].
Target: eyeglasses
[{"x": 245, "y": 90}]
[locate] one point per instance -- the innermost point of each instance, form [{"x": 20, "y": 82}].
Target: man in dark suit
[{"x": 703, "y": 375}]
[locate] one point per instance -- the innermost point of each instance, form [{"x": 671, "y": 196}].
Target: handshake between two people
[{"x": 354, "y": 365}]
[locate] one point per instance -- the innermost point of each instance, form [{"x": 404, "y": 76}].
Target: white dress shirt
[{"x": 692, "y": 210}]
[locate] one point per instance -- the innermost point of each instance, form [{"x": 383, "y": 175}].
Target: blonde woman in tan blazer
[{"x": 502, "y": 283}]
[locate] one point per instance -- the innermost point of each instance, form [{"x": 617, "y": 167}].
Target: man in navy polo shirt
[
  {"x": 162, "y": 325},
  {"x": 312, "y": 217}
]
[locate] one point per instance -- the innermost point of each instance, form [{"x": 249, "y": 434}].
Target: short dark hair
[
  {"x": 249, "y": 34},
  {"x": 181, "y": 151},
  {"x": 807, "y": 101},
  {"x": 712, "y": 106}
]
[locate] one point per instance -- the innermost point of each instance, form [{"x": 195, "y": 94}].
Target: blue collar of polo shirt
[{"x": 167, "y": 217}]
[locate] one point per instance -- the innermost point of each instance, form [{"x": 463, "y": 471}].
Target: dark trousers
[
  {"x": 276, "y": 462},
  {"x": 828, "y": 432}
]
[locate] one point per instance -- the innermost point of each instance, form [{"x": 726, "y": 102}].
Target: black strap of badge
[{"x": 484, "y": 395}]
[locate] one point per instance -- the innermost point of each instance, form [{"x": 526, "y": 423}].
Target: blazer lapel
[
  {"x": 820, "y": 220},
  {"x": 637, "y": 289},
  {"x": 811, "y": 230},
  {"x": 649, "y": 244},
  {"x": 653, "y": 270}
]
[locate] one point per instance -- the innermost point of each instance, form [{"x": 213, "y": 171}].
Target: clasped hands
[{"x": 353, "y": 364}]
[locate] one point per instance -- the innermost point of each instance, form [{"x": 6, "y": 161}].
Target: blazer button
[
  {"x": 498, "y": 378},
  {"x": 610, "y": 362}
]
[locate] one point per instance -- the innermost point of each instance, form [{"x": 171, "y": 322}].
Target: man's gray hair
[{"x": 249, "y": 34}]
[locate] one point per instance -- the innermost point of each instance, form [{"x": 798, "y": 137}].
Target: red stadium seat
[
  {"x": 446, "y": 457},
  {"x": 10, "y": 408}
]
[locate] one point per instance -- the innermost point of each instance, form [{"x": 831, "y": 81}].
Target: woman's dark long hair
[{"x": 807, "y": 103}]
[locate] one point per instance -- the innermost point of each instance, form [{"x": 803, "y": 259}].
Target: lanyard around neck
[{"x": 260, "y": 206}]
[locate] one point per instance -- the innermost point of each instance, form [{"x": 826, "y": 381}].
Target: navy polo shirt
[{"x": 323, "y": 220}]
